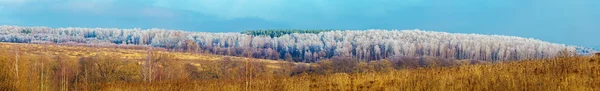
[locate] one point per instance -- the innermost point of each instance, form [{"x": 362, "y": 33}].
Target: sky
[{"x": 571, "y": 22}]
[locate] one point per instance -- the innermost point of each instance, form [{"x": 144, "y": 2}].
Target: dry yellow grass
[
  {"x": 128, "y": 54},
  {"x": 36, "y": 71},
  {"x": 570, "y": 74},
  {"x": 43, "y": 65},
  {"x": 83, "y": 51},
  {"x": 561, "y": 74}
]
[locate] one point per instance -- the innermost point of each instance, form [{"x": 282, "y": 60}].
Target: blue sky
[{"x": 573, "y": 22}]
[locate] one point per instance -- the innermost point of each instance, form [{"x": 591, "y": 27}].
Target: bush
[
  {"x": 106, "y": 68},
  {"x": 338, "y": 65}
]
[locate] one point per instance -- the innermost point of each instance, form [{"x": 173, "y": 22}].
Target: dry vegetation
[{"x": 26, "y": 67}]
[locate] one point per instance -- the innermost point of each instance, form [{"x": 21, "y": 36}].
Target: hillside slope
[
  {"x": 65, "y": 67},
  {"x": 562, "y": 74},
  {"x": 77, "y": 51},
  {"x": 362, "y": 44},
  {"x": 71, "y": 67}
]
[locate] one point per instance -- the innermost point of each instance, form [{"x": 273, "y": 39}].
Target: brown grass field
[{"x": 30, "y": 67}]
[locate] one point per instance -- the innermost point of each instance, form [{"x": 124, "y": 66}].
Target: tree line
[
  {"x": 280, "y": 32},
  {"x": 305, "y": 46}
]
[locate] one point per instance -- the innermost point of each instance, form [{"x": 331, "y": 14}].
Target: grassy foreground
[
  {"x": 27, "y": 67},
  {"x": 560, "y": 74}
]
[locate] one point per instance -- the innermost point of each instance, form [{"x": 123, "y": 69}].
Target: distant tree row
[
  {"x": 304, "y": 46},
  {"x": 280, "y": 32}
]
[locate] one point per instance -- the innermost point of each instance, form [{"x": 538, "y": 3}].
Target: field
[
  {"x": 25, "y": 67},
  {"x": 62, "y": 67},
  {"x": 572, "y": 74}
]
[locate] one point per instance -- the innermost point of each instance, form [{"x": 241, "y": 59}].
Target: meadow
[{"x": 50, "y": 67}]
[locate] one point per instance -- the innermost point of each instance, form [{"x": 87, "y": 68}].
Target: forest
[
  {"x": 304, "y": 46},
  {"x": 280, "y": 32}
]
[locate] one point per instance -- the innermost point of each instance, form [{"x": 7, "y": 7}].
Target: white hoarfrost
[{"x": 362, "y": 44}]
